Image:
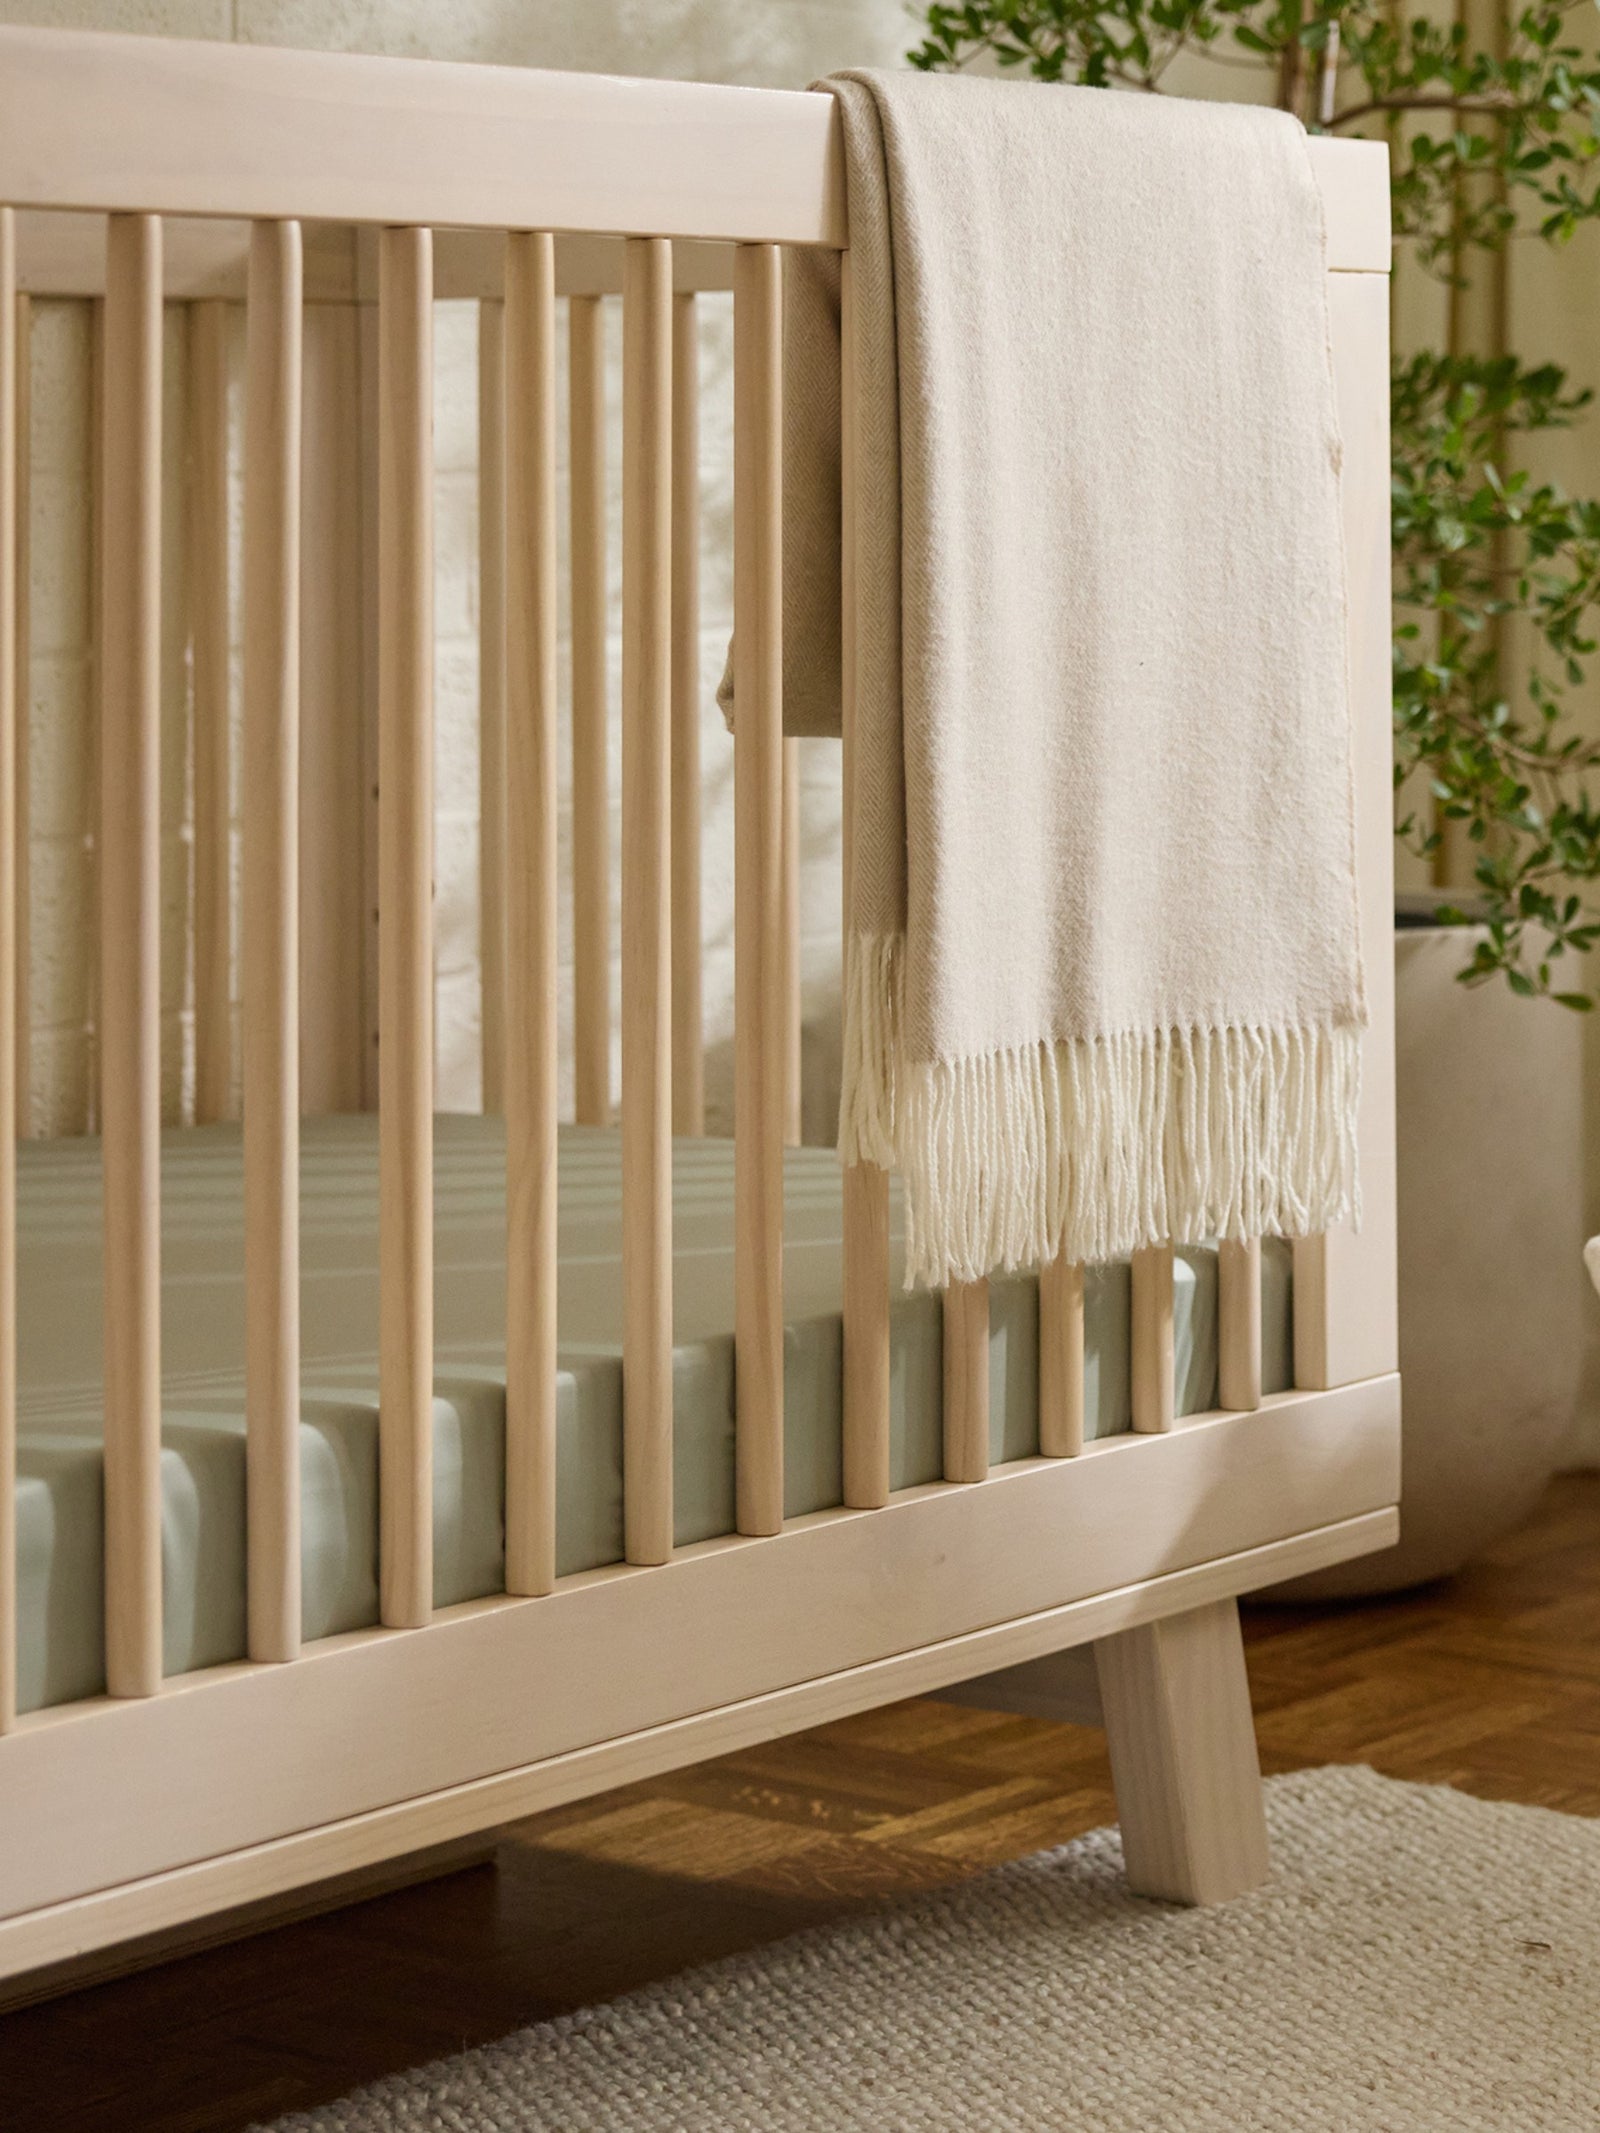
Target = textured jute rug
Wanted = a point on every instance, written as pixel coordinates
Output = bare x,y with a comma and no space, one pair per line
1421,1962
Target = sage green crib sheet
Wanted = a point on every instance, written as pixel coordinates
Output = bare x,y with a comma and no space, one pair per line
59,1505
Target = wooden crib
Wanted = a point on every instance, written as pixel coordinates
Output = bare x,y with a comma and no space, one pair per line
336,197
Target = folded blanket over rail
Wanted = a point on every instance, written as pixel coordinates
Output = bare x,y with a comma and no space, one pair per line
1103,983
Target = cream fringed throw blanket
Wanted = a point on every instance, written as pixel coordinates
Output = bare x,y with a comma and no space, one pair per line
1103,985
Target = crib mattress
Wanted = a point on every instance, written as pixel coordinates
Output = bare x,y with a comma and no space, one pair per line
60,1497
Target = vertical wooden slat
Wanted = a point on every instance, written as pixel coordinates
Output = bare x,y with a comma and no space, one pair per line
208,532
22,663
1239,1324
791,943
1154,1385
966,1381
591,798
334,805
130,947
369,452
12,449
647,898
270,961
688,1046
492,799
531,1079
405,923
96,678
865,1241
1061,1359
760,964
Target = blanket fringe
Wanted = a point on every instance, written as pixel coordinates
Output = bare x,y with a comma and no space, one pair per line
1095,1147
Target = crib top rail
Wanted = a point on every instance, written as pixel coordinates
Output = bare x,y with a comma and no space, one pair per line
214,134
173,127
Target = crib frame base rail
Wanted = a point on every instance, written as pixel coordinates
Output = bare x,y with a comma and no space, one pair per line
335,1763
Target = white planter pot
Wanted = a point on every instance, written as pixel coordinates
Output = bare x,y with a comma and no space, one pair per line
1492,1290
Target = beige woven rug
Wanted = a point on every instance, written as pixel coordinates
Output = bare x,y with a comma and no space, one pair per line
1421,1963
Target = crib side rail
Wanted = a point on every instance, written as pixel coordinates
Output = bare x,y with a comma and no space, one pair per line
274,138
614,158
163,126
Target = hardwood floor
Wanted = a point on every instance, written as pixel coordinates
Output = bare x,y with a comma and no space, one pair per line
1491,1683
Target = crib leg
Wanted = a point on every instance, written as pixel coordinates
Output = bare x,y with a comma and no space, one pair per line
1183,1756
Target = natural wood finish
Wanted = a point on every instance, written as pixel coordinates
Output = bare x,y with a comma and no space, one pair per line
792,1012
1182,1744
88,1791
130,949
1061,1392
335,797
966,1381
271,930
368,456
12,712
64,254
1459,1684
688,1028
864,1265
362,1844
864,1246
1345,1322
405,933
760,1052
90,122
591,791
1239,1323
647,900
22,667
210,654
1154,1392
206,259
94,871
157,1902
1353,177
333,1760
531,1085
492,790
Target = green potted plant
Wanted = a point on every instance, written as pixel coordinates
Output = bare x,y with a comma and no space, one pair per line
1494,138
